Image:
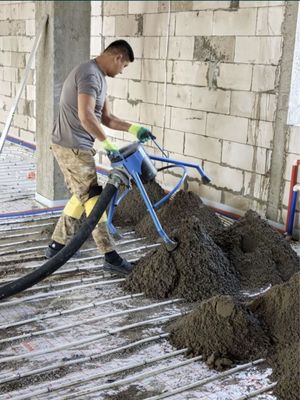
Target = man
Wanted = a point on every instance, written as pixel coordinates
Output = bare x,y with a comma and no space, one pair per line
83,107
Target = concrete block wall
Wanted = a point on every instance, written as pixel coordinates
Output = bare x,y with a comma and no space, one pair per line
206,81
17,32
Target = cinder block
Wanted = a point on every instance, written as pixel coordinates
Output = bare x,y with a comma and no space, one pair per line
10,43
256,185
235,76
187,120
115,7
142,7
151,47
178,6
236,201
260,106
258,3
25,44
129,25
109,26
210,5
12,28
30,27
202,147
266,103
30,92
174,141
27,136
242,104
294,140
117,87
258,50
179,96
5,88
260,133
11,74
96,26
211,48
180,48
126,111
157,25
205,99
244,157
209,193
32,124
142,91
236,23
5,12
290,158
264,78
153,114
269,20
194,23
133,71
5,58
227,127
19,60
190,72
155,70
224,177
20,121
95,8
23,10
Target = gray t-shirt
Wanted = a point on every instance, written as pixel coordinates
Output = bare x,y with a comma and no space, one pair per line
86,78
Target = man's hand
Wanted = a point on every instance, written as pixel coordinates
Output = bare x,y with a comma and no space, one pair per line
141,133
111,149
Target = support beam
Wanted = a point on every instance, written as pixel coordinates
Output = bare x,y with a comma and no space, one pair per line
65,44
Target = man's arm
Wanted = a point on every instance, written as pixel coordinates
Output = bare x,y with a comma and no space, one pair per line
88,119
111,121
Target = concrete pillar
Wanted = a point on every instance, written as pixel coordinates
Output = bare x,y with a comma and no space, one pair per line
65,43
276,189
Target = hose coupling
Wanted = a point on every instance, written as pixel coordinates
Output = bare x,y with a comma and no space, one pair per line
119,176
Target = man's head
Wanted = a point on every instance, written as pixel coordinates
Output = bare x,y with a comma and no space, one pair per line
116,57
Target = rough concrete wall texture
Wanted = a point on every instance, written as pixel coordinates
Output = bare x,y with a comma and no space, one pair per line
17,32
206,80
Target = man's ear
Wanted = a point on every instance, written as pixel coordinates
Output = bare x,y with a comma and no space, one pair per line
119,57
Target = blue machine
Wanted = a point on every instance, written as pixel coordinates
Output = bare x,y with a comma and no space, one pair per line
137,163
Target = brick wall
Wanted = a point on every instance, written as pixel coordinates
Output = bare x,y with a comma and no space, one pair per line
205,80
17,32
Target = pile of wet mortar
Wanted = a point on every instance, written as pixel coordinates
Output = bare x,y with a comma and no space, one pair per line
213,265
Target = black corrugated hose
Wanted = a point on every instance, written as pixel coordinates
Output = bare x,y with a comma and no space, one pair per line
66,252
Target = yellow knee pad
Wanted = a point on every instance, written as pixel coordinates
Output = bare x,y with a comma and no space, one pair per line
74,208
90,204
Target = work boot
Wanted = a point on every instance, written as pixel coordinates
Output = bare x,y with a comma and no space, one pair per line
114,264
53,249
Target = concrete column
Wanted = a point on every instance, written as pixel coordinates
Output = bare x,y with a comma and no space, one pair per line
65,43
276,190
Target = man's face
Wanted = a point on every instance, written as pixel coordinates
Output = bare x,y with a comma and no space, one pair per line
117,66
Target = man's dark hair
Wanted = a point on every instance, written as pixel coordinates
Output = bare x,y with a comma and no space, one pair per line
122,47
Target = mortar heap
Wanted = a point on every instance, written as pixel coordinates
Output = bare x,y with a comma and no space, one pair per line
216,265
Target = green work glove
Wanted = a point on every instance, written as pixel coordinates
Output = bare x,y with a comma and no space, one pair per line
110,148
141,133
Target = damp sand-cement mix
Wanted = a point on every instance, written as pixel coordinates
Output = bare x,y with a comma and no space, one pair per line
220,268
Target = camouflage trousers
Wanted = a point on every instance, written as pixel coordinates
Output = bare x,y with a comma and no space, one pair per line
79,170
